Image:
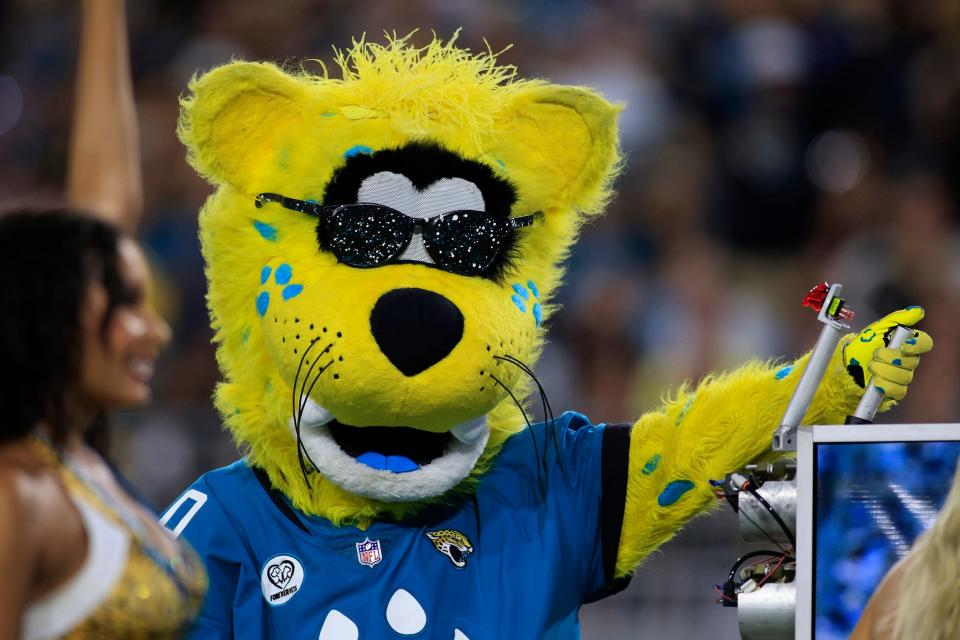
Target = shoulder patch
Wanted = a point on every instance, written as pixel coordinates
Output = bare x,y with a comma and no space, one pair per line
453,544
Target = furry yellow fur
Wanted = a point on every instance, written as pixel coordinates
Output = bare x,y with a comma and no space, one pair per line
701,435
252,127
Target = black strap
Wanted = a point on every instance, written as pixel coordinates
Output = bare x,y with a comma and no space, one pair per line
615,461
277,498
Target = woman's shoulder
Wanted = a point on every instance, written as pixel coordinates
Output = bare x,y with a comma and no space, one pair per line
31,496
22,489
21,452
876,623
40,529
22,469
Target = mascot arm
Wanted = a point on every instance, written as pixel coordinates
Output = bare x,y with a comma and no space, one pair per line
701,435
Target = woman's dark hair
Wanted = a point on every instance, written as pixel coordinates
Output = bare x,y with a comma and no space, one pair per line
48,260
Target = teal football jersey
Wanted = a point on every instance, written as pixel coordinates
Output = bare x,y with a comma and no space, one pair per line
515,559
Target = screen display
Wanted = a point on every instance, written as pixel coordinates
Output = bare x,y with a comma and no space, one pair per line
872,502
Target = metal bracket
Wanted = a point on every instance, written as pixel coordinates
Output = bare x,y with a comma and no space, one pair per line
785,437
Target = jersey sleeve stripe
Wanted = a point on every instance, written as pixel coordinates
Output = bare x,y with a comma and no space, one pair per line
615,458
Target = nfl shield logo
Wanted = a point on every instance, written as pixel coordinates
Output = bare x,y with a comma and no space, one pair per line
368,552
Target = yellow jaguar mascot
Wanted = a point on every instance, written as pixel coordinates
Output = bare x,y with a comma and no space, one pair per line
382,250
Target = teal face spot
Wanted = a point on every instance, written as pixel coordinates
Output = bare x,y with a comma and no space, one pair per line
291,291
356,150
896,362
328,114
783,373
266,231
263,303
867,335
245,334
521,298
854,362
880,389
910,341
673,492
503,165
651,465
683,411
283,274
283,159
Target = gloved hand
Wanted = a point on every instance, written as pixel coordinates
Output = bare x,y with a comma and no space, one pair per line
891,370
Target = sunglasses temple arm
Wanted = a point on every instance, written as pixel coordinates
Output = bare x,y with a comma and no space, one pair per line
287,203
526,221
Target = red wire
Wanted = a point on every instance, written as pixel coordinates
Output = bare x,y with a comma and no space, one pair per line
771,572
755,563
725,597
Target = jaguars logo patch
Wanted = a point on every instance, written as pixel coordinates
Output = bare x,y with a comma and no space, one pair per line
452,544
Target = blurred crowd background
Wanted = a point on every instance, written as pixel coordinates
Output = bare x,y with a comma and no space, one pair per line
771,144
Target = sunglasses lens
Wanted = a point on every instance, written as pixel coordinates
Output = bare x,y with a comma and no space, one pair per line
366,235
466,242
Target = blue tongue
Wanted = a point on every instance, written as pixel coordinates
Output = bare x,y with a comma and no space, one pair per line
395,464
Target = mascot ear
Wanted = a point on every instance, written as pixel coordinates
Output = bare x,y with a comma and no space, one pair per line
564,141
236,116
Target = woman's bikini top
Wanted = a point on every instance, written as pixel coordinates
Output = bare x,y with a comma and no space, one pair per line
125,588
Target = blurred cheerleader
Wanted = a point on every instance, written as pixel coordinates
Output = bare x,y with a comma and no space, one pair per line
919,599
80,555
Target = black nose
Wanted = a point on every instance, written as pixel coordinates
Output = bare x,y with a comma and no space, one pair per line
415,328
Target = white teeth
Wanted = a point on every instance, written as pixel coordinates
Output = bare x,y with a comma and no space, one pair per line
471,431
313,414
141,368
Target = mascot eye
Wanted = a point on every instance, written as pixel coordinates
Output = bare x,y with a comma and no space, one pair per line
468,242
365,235
368,235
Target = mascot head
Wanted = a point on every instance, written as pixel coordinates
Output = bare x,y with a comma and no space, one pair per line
381,252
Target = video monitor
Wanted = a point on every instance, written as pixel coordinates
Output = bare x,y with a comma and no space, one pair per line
872,491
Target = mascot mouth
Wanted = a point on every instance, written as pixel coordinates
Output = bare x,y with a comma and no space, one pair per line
393,464
396,449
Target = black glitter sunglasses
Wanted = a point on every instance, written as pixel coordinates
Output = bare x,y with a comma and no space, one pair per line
368,235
